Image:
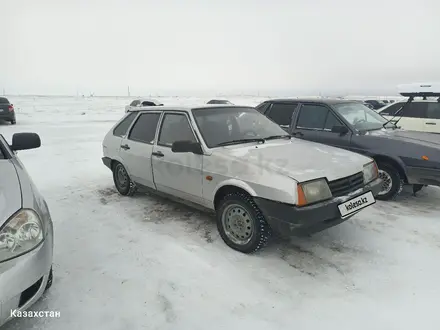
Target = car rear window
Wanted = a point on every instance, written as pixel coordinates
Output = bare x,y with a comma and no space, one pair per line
4,100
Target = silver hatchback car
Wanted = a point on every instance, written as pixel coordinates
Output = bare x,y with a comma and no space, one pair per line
26,232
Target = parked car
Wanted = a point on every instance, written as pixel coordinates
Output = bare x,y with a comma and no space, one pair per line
376,104
142,103
7,111
236,162
419,115
226,102
26,232
403,157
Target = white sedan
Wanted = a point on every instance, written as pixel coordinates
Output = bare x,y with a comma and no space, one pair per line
135,104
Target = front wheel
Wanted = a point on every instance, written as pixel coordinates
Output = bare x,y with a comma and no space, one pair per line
391,182
122,180
241,224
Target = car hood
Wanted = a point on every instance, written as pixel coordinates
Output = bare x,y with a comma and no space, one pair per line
10,192
298,159
422,138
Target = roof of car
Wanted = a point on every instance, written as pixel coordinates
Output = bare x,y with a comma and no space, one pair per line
188,108
313,100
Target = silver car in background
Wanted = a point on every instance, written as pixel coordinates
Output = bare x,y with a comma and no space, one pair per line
26,232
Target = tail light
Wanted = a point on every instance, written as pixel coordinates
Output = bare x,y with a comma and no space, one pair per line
11,108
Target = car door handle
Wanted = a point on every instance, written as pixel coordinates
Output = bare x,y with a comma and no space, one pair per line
125,147
158,154
297,134
431,123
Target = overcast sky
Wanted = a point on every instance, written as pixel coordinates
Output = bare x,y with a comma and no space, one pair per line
189,46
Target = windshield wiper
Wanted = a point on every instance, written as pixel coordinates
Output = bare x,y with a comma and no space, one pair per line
227,143
273,137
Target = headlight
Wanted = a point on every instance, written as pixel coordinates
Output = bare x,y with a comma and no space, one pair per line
370,172
313,191
21,234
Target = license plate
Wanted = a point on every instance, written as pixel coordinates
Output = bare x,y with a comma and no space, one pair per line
356,204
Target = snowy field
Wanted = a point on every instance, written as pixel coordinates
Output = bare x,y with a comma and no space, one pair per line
146,263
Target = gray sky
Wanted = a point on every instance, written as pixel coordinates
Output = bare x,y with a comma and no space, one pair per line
189,46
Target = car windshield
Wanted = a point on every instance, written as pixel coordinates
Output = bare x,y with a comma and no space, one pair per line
220,126
360,117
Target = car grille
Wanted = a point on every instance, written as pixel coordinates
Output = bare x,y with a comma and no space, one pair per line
346,185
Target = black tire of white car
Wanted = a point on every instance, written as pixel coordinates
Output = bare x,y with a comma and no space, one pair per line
396,182
130,188
261,231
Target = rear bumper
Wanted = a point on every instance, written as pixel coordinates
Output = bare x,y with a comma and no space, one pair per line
107,162
286,219
423,175
6,115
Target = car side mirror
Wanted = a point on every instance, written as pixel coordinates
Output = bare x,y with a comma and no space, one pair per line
187,146
342,130
25,141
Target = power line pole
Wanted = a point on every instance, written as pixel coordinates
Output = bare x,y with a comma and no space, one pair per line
128,90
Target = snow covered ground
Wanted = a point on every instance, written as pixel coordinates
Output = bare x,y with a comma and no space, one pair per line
146,263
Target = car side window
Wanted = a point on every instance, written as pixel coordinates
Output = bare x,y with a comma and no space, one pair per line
175,127
123,126
262,107
135,103
281,113
414,110
433,110
144,129
312,117
4,148
331,121
391,110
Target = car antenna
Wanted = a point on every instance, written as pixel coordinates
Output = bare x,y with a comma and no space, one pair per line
406,105
400,111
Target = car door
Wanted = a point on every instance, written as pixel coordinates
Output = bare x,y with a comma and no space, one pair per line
113,139
178,174
281,113
314,122
137,148
432,122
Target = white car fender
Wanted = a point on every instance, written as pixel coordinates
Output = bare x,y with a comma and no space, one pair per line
235,183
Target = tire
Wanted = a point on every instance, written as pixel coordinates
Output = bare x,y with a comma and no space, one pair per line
127,187
13,122
49,280
390,175
249,223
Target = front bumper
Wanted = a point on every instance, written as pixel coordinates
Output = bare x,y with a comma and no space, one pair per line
286,219
24,279
423,175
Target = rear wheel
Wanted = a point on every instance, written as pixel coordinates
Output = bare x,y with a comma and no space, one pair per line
391,182
122,180
241,224
13,122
